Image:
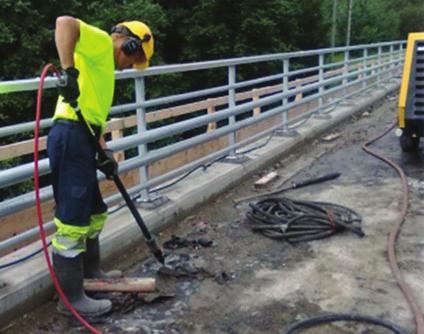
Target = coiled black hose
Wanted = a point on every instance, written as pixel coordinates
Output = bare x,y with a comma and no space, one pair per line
296,220
326,318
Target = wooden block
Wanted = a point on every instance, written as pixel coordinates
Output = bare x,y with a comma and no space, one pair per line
331,137
123,284
263,181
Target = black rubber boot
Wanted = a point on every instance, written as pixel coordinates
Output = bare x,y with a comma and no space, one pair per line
92,262
69,272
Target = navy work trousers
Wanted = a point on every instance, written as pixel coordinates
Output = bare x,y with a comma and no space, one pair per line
73,163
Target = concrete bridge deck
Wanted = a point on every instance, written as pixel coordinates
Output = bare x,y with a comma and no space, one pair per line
28,284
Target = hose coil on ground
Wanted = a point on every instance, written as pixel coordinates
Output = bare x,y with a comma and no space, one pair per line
297,220
327,318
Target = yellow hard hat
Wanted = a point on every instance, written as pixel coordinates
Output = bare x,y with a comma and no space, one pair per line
142,31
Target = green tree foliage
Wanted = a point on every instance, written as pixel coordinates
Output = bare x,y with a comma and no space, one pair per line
216,29
201,30
27,39
25,43
375,20
411,18
195,30
190,30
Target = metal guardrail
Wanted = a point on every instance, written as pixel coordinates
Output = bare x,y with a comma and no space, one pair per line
381,65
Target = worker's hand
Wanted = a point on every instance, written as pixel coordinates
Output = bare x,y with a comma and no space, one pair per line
68,85
108,166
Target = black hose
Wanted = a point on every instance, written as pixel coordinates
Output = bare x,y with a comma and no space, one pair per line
22,259
203,166
297,221
326,318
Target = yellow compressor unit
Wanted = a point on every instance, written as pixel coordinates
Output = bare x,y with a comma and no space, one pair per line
411,99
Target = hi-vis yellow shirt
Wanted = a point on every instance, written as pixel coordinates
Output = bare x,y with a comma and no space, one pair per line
93,57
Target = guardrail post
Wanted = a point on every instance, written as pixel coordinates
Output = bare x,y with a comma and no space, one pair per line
400,53
400,56
231,104
141,127
391,65
391,58
345,72
232,137
286,69
364,68
146,199
320,113
379,65
284,130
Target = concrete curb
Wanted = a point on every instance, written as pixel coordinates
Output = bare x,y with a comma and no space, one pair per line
29,284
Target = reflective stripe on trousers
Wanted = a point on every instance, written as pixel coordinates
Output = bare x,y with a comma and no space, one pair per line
70,240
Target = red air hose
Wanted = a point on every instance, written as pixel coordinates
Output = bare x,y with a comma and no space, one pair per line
38,202
391,244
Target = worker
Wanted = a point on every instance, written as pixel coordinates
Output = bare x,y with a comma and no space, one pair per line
88,57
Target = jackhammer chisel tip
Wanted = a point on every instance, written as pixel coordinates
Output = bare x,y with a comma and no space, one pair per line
156,250
159,256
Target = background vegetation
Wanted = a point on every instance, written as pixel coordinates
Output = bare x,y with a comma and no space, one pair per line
195,30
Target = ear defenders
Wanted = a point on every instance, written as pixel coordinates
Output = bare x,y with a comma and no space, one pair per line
132,43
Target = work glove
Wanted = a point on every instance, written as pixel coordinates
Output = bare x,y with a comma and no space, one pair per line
68,85
108,166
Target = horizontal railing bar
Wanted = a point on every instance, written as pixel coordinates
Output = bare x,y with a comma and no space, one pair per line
27,201
50,82
160,133
18,174
181,170
29,126
23,127
202,104
249,60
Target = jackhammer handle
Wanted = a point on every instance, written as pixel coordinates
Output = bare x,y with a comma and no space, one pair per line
315,180
99,149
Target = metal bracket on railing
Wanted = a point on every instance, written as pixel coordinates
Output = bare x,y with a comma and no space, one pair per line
152,201
285,131
347,102
365,93
380,86
324,116
235,159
